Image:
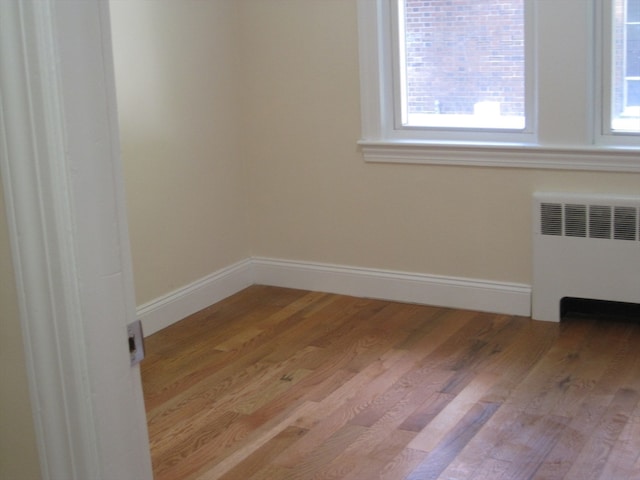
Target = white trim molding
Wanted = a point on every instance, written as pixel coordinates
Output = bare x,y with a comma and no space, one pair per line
465,293
481,295
173,307
604,159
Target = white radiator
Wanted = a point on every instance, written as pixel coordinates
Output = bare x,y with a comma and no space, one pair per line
584,246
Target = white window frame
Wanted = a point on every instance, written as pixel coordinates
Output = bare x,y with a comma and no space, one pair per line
568,138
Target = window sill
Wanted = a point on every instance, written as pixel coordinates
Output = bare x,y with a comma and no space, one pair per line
520,155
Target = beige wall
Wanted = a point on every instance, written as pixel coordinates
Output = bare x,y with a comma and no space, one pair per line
18,454
314,199
240,121
178,100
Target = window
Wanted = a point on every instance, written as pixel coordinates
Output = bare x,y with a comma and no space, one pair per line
625,115
462,63
501,83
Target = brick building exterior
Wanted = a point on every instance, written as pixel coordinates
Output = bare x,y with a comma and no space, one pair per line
462,52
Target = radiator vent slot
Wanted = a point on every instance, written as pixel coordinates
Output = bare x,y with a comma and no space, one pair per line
610,222
575,224
625,222
551,219
599,221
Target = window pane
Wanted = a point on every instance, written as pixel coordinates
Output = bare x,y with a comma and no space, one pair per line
626,74
463,63
633,10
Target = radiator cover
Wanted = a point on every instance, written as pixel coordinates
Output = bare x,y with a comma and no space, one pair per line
584,246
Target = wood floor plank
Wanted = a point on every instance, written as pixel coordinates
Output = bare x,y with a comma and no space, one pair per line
517,359
198,362
238,369
595,452
460,405
315,461
380,438
189,455
593,363
271,472
591,408
566,450
478,451
531,441
402,464
624,459
389,447
453,442
285,384
408,390
519,456
254,462
254,449
493,469
335,412
425,413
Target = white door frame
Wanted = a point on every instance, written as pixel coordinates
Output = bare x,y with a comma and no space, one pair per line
60,167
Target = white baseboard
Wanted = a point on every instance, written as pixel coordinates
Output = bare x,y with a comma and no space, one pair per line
482,295
471,294
181,303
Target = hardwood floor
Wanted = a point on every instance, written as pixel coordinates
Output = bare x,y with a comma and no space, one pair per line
276,383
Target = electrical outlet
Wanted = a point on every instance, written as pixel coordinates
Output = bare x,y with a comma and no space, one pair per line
136,342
